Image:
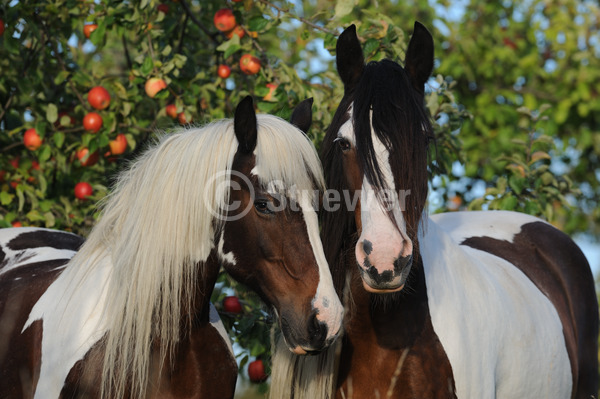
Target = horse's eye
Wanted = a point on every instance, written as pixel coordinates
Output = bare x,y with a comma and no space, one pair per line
342,143
262,206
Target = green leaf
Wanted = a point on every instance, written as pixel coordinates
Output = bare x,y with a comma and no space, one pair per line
267,106
343,7
21,197
6,198
167,50
370,46
126,109
49,219
257,23
98,35
59,139
509,203
230,46
61,77
45,153
517,184
147,66
51,113
536,156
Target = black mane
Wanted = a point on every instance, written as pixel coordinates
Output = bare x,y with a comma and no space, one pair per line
402,124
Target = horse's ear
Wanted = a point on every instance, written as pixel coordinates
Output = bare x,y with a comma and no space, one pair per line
302,115
244,125
349,57
419,56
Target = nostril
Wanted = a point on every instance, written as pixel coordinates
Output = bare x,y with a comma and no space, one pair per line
317,332
402,262
367,247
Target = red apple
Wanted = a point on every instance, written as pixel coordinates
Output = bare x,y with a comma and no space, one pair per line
272,87
99,98
17,224
32,140
238,30
182,119
171,110
1,27
223,71
88,29
85,159
231,304
14,162
83,190
224,20
118,145
249,64
92,121
164,8
153,86
256,371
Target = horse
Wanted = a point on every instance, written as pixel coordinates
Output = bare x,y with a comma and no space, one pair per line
481,304
127,313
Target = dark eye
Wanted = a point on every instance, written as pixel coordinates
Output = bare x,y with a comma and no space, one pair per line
343,144
262,205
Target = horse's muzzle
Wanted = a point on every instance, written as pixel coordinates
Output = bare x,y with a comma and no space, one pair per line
310,340
390,280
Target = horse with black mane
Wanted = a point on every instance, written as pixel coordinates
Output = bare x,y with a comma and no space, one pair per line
127,313
488,304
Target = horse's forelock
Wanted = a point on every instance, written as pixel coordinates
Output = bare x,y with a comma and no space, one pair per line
385,101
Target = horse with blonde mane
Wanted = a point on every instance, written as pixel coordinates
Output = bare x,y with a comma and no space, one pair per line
488,304
127,313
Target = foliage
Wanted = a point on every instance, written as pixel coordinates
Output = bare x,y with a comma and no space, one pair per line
490,66
538,54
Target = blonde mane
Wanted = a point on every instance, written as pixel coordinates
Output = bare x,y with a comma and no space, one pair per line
157,229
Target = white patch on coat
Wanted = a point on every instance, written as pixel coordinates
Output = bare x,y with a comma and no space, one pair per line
72,323
23,257
228,257
326,302
502,335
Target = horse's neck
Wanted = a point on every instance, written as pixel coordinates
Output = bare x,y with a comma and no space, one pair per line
204,288
392,320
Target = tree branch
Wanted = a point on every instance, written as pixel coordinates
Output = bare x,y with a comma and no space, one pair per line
129,64
11,146
5,108
304,20
197,22
185,21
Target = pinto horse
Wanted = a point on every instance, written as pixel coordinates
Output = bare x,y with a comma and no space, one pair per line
456,305
127,313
